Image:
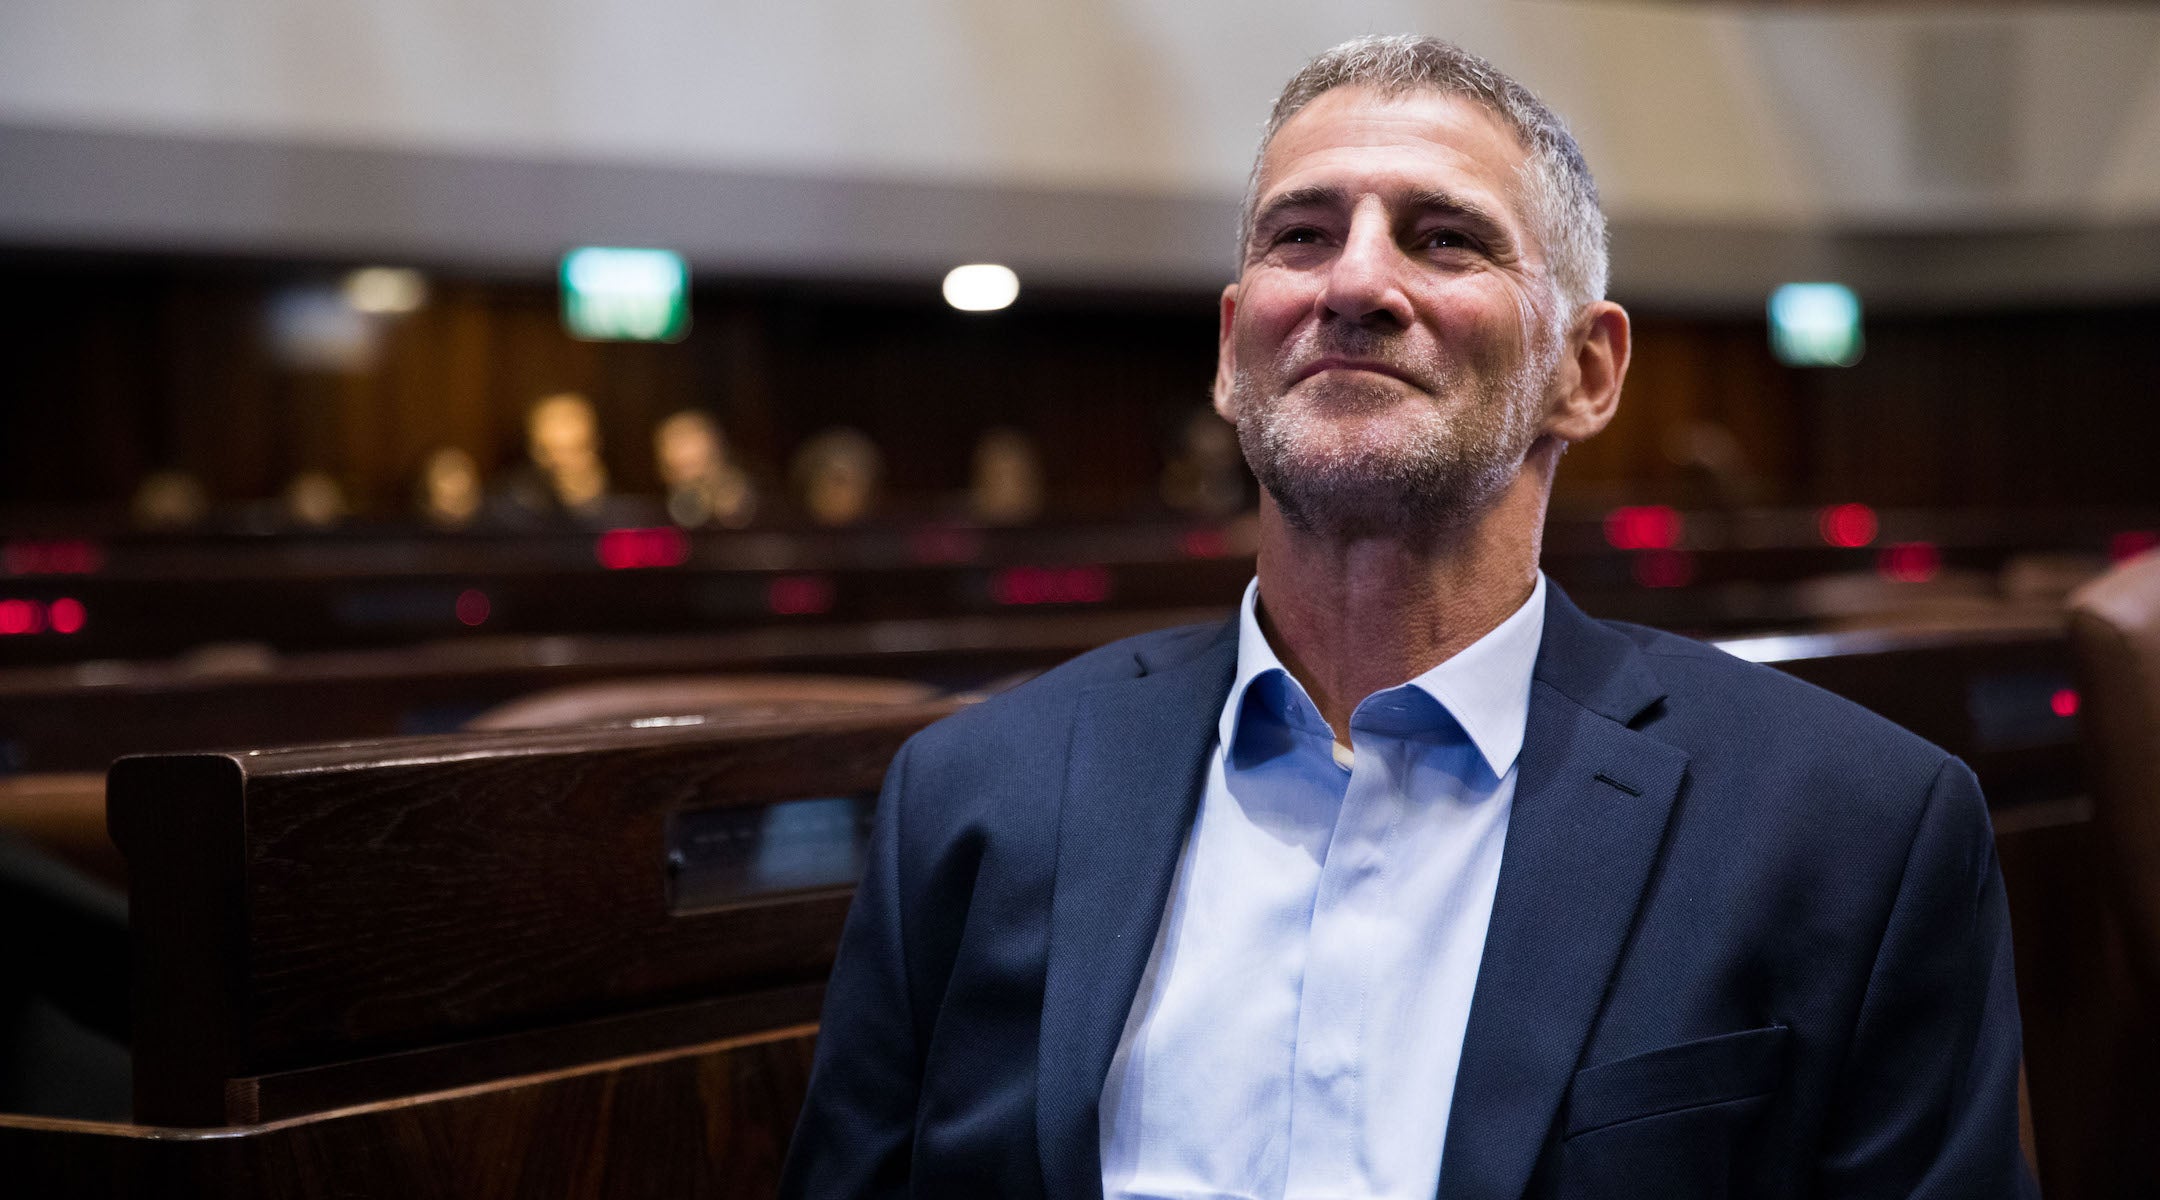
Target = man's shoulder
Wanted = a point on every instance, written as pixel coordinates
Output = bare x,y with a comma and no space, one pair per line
1729,708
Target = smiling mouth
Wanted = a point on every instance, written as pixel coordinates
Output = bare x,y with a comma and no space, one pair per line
1366,366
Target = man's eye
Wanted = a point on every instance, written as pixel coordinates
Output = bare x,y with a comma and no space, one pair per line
1298,235
1445,239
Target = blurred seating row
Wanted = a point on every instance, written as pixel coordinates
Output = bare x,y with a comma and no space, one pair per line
80,717
71,599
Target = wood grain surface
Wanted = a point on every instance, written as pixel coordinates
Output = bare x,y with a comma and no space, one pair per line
307,907
81,717
709,1121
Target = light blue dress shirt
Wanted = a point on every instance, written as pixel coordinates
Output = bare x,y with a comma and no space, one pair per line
1297,1031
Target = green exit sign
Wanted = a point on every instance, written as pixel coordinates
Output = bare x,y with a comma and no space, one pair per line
612,294
1815,325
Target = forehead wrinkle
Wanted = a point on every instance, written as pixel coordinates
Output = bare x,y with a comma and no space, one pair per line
1461,125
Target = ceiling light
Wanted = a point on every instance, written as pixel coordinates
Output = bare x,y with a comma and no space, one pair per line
385,291
981,287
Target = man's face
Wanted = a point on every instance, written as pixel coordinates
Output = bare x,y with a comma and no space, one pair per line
1388,351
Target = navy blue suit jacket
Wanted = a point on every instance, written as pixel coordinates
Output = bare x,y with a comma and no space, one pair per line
1749,939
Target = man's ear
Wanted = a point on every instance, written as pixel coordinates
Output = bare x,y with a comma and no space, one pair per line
1598,361
1226,356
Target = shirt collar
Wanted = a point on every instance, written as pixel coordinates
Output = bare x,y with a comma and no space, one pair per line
1485,686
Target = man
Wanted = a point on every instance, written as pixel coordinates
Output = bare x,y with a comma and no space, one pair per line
1579,910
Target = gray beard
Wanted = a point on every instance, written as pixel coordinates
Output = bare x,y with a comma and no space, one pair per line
1425,490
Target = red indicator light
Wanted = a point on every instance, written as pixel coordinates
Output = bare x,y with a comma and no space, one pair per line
1909,562
798,595
1665,569
1050,585
66,615
2064,702
1643,527
2130,543
1204,543
21,616
1847,525
629,549
67,557
472,606
944,544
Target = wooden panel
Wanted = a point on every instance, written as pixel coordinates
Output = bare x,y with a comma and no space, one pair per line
184,841
460,1064
305,907
126,366
62,718
1925,683
706,1121
175,352
1693,374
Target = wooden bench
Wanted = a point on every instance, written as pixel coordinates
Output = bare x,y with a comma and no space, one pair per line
560,963
80,717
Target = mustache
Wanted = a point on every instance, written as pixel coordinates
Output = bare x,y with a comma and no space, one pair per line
1363,345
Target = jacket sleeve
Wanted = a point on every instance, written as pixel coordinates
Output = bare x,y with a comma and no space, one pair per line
856,1134
1927,1103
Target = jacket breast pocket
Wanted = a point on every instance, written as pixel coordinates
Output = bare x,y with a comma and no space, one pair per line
1673,1122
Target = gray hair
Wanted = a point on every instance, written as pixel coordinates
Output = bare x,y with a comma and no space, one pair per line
1560,198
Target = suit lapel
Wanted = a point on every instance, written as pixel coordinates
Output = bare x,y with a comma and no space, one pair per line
1591,805
1133,779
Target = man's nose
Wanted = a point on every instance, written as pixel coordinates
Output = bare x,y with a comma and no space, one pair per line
1364,282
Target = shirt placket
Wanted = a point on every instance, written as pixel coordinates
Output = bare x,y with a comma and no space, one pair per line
1326,1158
